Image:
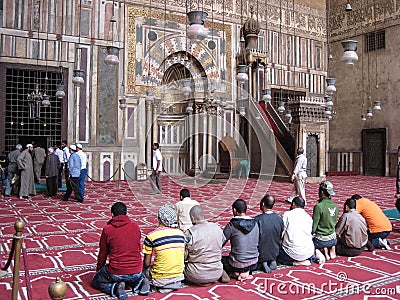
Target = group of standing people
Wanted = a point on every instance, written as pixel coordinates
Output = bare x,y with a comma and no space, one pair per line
22,169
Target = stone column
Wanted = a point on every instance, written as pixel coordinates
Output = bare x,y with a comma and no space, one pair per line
149,121
196,139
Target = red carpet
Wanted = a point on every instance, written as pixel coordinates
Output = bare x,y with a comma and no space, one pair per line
62,240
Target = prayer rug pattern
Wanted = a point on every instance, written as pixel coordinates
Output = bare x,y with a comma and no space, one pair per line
61,240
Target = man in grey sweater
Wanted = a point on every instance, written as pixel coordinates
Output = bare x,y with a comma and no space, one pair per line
243,233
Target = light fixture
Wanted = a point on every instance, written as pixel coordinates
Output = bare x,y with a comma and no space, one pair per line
77,78
112,51
46,100
349,56
122,103
266,95
112,56
328,111
281,107
377,105
242,75
369,113
196,30
348,7
60,91
331,86
363,118
36,95
328,100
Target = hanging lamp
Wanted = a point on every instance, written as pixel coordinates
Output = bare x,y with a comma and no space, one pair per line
196,30
349,56
242,75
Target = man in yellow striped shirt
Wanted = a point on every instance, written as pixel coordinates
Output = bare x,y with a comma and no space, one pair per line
167,243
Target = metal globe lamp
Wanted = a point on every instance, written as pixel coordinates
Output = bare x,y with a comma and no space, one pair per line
77,78
349,56
112,56
242,74
60,91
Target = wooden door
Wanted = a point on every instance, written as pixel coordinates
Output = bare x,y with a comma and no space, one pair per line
374,150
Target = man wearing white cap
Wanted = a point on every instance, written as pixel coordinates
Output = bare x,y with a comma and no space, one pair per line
82,176
25,165
74,167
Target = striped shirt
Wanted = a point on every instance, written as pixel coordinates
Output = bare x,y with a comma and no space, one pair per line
168,245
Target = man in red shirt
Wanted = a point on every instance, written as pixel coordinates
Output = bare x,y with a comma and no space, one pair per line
120,242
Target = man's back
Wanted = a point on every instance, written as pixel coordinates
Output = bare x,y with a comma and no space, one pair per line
373,215
297,239
271,228
182,211
203,245
352,229
120,240
325,215
39,155
169,247
243,233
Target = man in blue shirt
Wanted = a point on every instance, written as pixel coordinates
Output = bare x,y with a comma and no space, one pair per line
74,167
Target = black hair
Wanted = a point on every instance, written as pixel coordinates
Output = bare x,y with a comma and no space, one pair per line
240,206
325,192
118,208
268,201
184,193
299,202
356,197
157,145
350,203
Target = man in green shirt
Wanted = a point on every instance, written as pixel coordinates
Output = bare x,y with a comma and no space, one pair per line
325,216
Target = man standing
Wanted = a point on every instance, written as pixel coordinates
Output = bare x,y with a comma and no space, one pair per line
325,215
39,157
66,154
59,153
203,250
74,167
25,165
351,231
167,243
155,180
12,169
299,176
183,208
379,226
297,244
51,173
243,233
271,228
120,242
82,176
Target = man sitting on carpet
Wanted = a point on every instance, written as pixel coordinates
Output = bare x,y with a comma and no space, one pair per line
120,242
183,208
271,228
297,244
351,231
168,245
203,250
243,233
325,216
379,226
